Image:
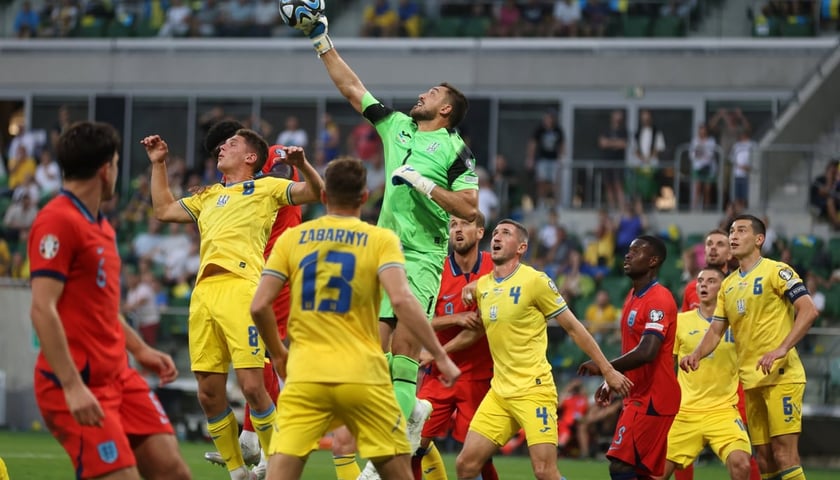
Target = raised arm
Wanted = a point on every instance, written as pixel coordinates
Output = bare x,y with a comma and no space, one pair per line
80,401
308,191
408,310
462,204
166,207
152,359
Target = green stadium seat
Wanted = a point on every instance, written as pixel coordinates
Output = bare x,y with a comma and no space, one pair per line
117,29
834,252
788,29
804,249
476,27
145,29
91,28
447,27
669,27
832,303
693,239
617,287
636,26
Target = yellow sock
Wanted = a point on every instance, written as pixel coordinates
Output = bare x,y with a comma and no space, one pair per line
263,423
4,474
433,467
793,473
770,476
224,430
346,467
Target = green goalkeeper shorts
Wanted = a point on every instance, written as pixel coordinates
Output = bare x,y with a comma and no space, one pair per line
423,271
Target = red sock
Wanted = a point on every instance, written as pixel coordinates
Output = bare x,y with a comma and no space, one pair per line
417,467
488,471
755,474
684,474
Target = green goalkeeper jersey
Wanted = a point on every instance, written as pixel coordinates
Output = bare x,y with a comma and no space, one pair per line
441,156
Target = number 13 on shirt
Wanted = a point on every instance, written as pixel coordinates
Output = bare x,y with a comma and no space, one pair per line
340,283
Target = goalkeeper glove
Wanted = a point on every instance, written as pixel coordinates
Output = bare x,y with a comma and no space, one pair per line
407,175
317,32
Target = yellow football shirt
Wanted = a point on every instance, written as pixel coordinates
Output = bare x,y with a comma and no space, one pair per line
514,311
715,384
759,307
332,265
234,222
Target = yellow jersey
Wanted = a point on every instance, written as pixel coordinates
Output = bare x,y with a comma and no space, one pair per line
515,310
758,304
234,222
715,384
332,265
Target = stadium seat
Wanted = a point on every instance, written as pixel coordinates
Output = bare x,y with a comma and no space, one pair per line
118,29
617,287
834,252
476,27
796,29
832,303
804,249
693,239
447,27
636,26
669,27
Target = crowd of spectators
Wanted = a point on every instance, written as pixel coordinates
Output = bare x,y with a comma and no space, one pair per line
404,18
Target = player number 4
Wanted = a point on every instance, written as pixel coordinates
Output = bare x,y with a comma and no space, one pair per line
542,413
515,292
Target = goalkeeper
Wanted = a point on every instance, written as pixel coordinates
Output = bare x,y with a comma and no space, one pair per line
431,176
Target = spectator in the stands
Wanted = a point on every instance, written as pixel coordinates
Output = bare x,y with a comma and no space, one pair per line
293,135
178,18
506,20
48,174
21,167
19,216
379,20
567,15
535,19
596,15
26,21
410,15
821,189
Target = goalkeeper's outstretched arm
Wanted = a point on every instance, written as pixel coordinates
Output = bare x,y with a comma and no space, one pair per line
344,78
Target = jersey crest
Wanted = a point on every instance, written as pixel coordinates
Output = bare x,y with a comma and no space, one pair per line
631,318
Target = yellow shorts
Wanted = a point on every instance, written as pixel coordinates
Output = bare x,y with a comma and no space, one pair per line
498,418
722,430
306,411
221,331
774,410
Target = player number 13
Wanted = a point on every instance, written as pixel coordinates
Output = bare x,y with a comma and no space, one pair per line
309,265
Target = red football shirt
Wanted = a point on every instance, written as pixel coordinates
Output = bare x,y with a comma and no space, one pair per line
475,362
652,311
288,216
690,298
68,244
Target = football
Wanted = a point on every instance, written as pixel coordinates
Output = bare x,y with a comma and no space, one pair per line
300,13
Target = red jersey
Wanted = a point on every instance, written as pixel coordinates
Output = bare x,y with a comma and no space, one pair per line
690,298
287,217
475,361
572,409
652,311
68,244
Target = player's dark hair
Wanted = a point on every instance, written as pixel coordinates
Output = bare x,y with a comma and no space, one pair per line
459,104
657,245
345,181
217,135
523,232
757,225
257,144
84,147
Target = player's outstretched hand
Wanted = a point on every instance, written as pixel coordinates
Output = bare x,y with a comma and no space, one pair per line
618,383
83,405
156,148
603,396
449,372
690,362
295,156
765,363
588,368
158,362
407,175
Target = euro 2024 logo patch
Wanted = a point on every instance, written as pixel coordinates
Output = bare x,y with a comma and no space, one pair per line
48,247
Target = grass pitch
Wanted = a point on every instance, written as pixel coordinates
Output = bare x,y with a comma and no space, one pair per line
38,456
